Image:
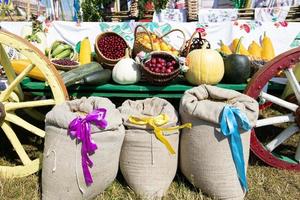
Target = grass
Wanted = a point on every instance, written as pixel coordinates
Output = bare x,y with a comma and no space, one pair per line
264,183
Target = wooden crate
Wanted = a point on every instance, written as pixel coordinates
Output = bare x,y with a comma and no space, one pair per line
243,14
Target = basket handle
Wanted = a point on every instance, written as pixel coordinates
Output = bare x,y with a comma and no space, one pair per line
146,31
184,38
190,41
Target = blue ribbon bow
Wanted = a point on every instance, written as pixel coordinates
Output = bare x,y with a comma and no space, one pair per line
230,120
80,128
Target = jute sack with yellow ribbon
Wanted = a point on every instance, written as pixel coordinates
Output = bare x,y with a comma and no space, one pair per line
73,129
149,153
211,161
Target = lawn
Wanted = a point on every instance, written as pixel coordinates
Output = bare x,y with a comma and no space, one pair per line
265,182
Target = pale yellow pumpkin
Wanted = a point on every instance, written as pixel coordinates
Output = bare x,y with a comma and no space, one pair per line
206,66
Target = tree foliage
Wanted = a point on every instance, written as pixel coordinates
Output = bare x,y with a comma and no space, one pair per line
93,10
158,5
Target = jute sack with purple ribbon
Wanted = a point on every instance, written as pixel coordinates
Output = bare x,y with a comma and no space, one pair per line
82,148
149,153
214,152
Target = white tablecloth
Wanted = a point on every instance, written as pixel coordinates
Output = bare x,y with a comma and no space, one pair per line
284,35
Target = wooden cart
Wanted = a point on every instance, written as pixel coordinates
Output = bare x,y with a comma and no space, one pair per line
12,99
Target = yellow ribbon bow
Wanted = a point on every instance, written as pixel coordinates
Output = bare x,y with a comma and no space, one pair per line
155,122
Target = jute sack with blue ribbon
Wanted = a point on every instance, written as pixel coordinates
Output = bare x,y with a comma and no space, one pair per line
149,153
214,153
82,148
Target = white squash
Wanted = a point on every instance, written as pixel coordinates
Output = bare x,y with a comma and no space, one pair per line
126,71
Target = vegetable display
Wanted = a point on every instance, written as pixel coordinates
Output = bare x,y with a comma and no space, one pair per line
74,75
60,49
20,65
126,71
206,66
159,61
85,55
267,52
237,67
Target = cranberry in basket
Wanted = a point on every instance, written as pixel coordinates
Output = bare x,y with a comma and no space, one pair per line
160,68
165,65
65,64
110,48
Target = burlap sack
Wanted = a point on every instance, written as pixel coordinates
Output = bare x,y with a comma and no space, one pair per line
205,155
145,162
62,175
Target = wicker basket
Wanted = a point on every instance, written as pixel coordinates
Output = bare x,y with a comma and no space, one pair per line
138,46
73,57
159,78
107,62
194,43
64,67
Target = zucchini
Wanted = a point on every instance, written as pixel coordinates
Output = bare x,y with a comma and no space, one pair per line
98,78
74,75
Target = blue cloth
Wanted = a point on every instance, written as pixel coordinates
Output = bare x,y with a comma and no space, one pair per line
231,119
5,1
76,9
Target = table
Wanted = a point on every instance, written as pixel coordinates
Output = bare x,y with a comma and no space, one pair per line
141,90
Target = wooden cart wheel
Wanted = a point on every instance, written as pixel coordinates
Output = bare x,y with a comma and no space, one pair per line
276,137
12,99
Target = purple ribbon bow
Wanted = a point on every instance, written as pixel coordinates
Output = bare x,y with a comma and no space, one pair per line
80,128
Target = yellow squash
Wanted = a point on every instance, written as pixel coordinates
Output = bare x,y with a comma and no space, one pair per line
206,66
268,52
255,50
20,65
225,49
85,55
242,49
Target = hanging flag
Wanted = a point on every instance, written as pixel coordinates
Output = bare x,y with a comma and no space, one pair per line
76,10
5,1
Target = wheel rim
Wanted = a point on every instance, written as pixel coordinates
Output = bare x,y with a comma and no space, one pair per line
12,99
254,89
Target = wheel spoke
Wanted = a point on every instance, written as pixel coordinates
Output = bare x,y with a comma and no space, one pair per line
294,82
14,97
29,104
297,155
275,120
283,136
278,101
22,123
5,94
10,73
15,143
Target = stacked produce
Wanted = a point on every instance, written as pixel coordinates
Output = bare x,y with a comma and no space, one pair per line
206,66
160,68
154,60
85,54
147,42
158,44
110,48
238,69
237,65
126,71
264,51
61,49
161,65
